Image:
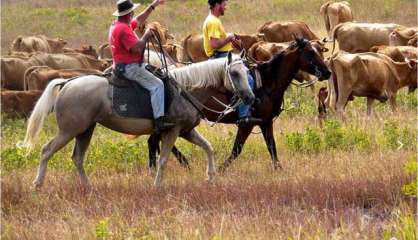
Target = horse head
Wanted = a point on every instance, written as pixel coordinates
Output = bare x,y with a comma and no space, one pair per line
310,59
237,75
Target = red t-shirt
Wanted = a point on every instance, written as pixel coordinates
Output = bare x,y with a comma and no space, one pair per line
121,39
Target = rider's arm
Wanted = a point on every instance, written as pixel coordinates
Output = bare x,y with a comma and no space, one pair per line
140,45
141,17
217,43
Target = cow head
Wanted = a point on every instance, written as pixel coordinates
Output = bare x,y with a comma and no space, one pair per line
171,49
57,44
320,47
310,60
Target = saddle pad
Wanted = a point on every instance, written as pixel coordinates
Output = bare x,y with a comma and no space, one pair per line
131,102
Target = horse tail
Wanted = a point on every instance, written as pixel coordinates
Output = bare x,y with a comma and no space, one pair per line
42,108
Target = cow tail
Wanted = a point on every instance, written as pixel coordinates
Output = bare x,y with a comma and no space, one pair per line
324,11
26,75
333,89
42,108
334,36
186,57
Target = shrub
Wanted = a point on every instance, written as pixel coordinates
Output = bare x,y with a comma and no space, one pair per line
294,141
410,189
333,134
311,141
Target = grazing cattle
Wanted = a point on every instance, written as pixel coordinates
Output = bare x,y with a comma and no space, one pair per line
13,69
335,13
193,50
19,103
403,37
159,29
370,75
37,77
285,31
86,50
397,53
39,43
360,37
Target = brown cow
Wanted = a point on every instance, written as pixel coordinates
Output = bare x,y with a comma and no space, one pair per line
87,50
396,53
193,50
19,103
370,75
360,37
37,77
403,37
285,31
39,43
335,13
159,28
13,69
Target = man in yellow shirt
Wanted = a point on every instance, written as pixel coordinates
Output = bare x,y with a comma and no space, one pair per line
217,43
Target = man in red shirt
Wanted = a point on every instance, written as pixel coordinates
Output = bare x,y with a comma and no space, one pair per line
127,51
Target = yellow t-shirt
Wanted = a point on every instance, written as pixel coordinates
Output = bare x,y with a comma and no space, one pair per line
212,28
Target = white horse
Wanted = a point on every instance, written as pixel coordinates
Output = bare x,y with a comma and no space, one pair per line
83,102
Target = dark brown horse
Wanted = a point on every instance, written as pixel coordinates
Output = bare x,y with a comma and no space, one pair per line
276,76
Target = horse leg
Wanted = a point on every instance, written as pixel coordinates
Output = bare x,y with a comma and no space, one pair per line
81,144
180,157
153,148
242,135
168,139
194,137
267,130
369,106
48,150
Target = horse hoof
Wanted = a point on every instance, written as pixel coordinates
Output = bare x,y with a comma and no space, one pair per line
36,185
277,166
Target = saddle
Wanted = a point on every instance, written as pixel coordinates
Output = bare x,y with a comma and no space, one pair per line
131,100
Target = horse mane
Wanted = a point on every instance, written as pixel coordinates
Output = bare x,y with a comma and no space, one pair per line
205,74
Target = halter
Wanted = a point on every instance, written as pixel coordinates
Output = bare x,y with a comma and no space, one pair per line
228,72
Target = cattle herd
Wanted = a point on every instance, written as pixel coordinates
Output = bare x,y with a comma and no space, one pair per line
374,60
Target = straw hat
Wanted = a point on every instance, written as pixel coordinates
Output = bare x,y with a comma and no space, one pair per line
124,7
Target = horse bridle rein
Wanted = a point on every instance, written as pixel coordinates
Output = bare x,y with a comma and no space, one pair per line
187,95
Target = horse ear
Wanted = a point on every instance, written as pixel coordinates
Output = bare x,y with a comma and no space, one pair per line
242,54
229,58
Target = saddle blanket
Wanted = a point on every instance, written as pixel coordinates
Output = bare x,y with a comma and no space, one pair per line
130,102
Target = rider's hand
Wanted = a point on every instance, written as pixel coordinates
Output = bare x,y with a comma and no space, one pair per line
230,36
237,43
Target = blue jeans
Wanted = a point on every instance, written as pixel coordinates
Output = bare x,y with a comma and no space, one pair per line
219,55
147,80
243,110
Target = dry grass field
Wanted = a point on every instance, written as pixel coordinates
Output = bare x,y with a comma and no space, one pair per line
345,181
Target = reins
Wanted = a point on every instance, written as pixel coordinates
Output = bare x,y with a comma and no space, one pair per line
184,92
